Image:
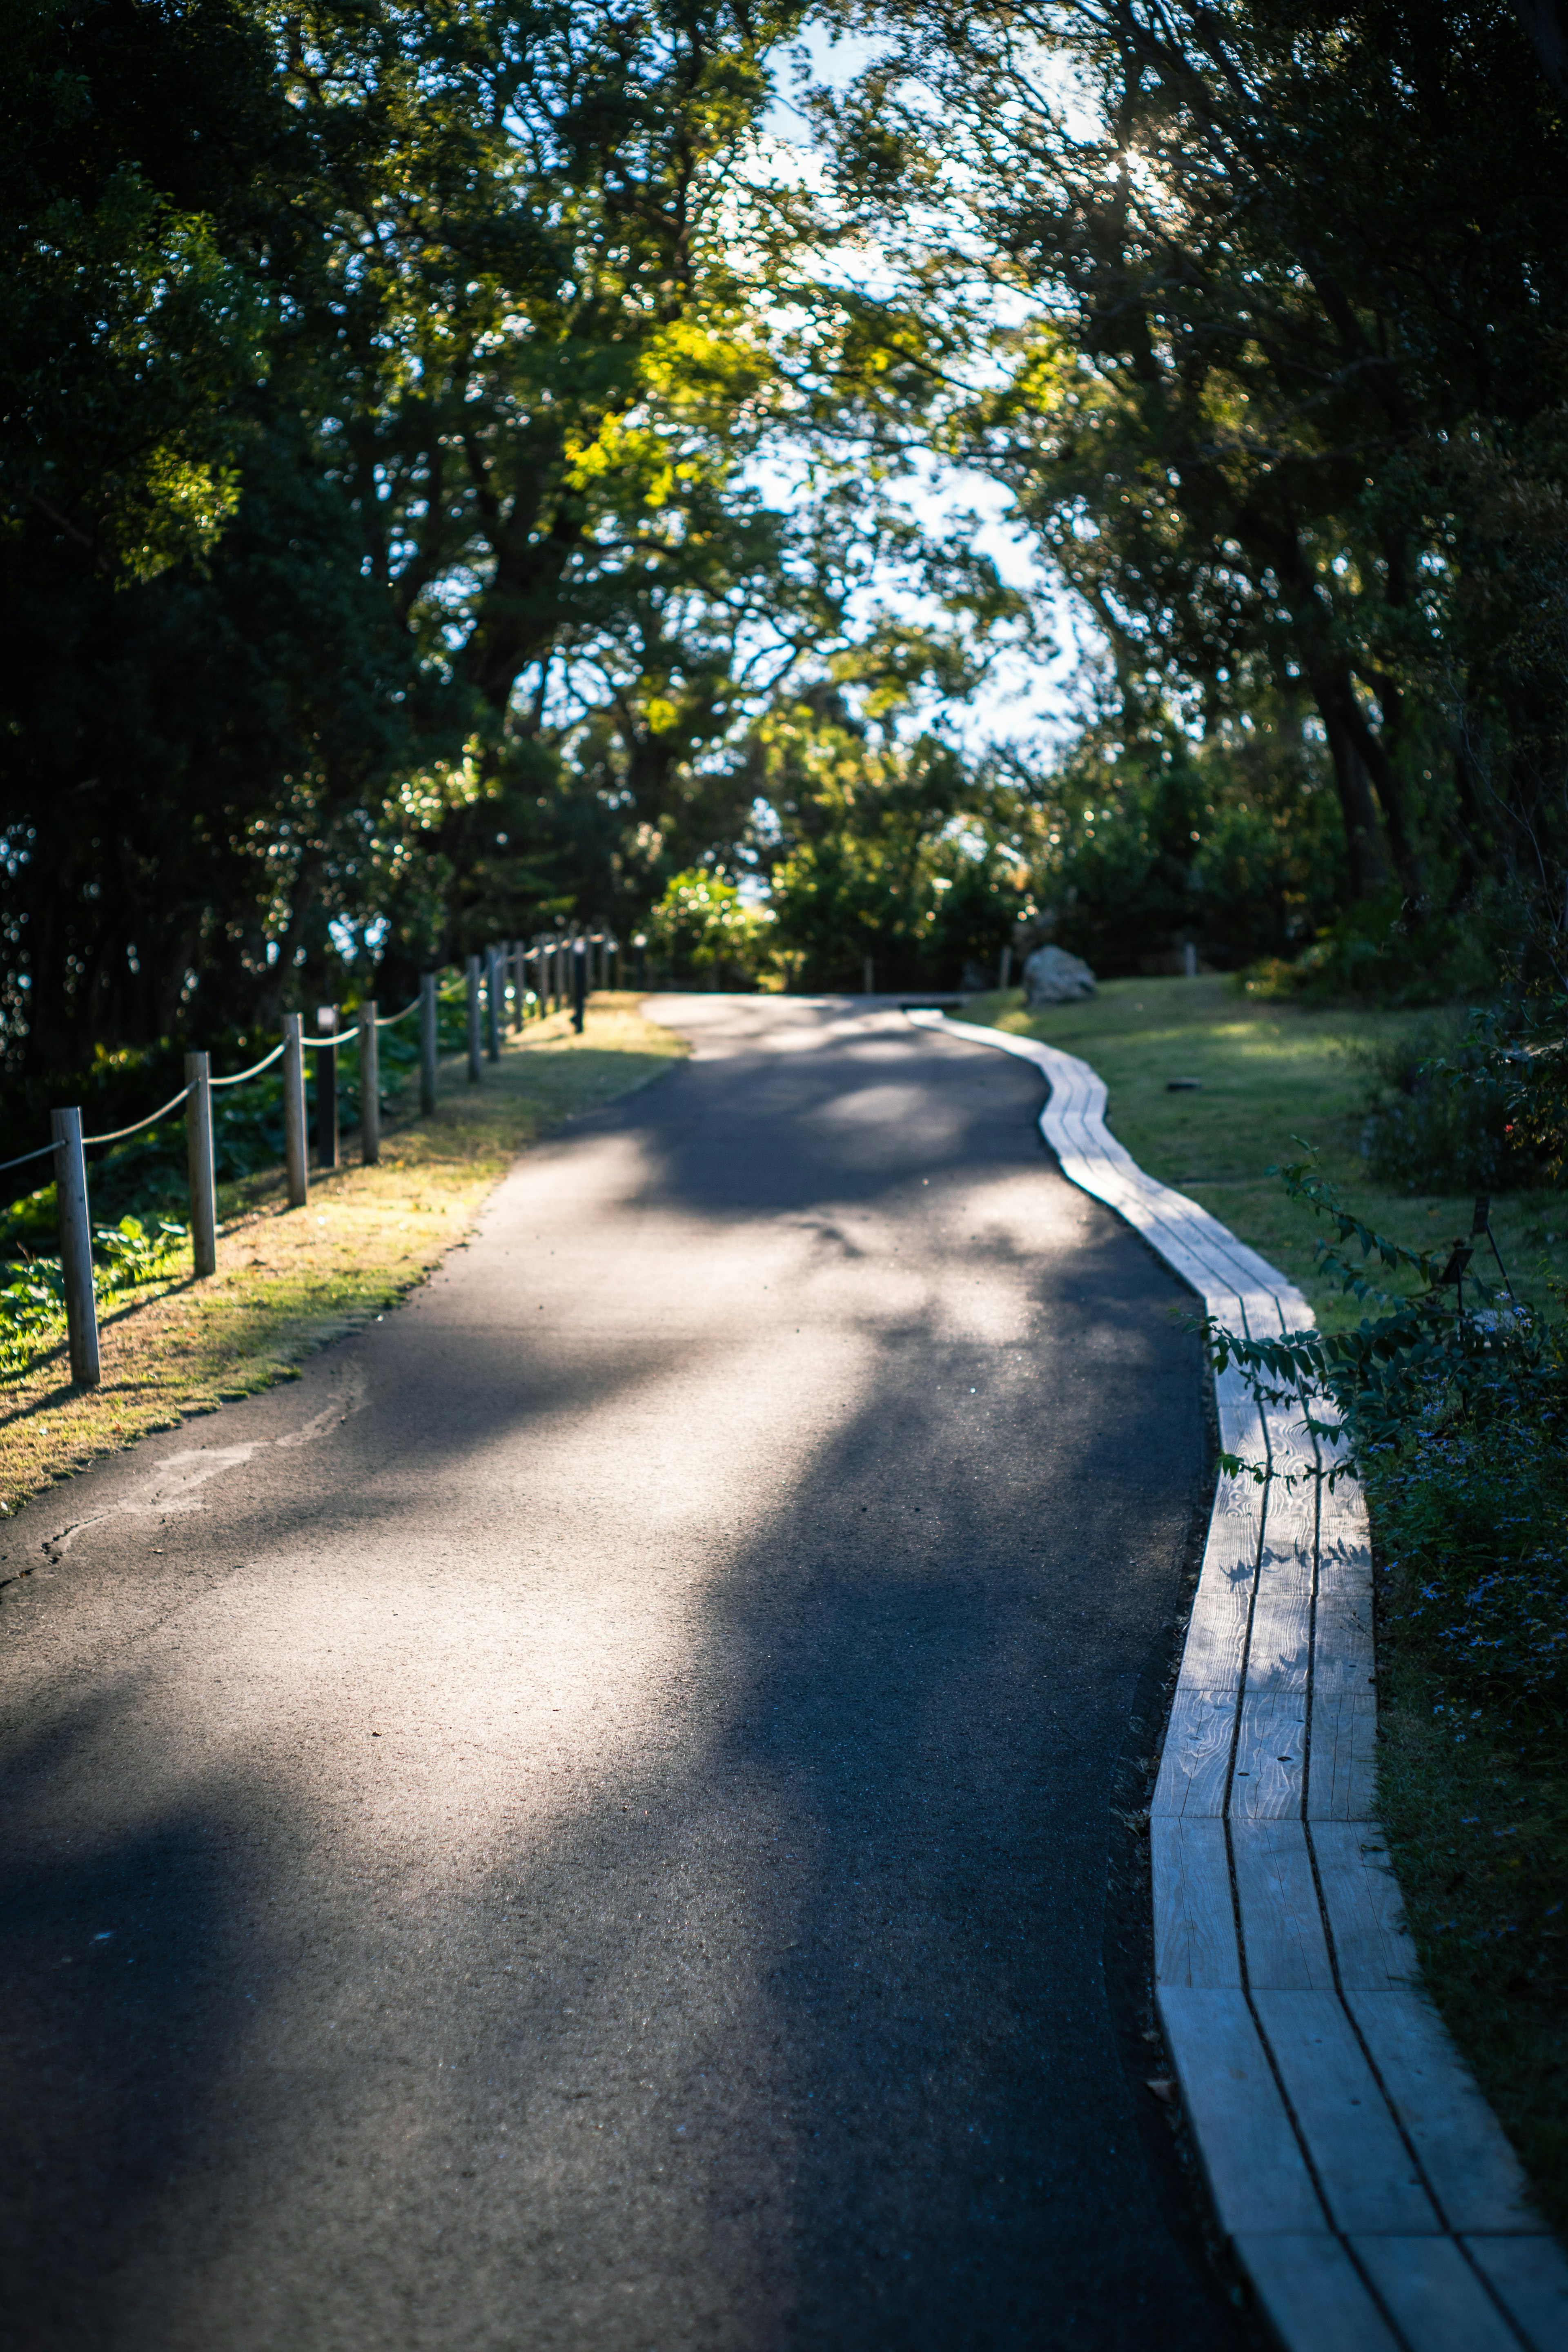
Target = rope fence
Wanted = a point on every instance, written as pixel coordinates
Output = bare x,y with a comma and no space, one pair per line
495,991
23,1156
241,1076
118,1134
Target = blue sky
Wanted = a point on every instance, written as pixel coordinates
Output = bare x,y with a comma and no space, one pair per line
1027,695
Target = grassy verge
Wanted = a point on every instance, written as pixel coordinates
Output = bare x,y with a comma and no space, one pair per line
1474,1798
1268,1075
291,1281
1478,1831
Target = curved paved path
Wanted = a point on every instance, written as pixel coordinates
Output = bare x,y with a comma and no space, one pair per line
583,1821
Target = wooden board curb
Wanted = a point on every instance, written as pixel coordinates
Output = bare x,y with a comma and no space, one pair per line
1363,2182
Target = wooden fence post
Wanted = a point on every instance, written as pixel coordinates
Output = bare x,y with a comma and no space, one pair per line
369,1086
492,1006
428,1038
295,1151
75,1245
327,1089
199,1159
475,1069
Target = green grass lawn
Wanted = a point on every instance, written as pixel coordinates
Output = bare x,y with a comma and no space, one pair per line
1476,1812
1268,1074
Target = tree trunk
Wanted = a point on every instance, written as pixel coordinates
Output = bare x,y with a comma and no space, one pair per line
1469,824
1544,22
1364,858
1377,765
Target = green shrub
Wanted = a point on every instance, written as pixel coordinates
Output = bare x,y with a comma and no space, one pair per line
703,929
1154,841
1522,1050
33,1301
1474,1519
1455,1403
892,850
1382,951
1438,1117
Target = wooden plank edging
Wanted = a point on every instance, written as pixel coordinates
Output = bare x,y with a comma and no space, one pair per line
1363,2182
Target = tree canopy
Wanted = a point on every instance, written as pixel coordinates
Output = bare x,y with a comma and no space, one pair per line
1259,319
455,474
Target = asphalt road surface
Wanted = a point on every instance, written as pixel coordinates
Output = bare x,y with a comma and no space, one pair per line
583,1821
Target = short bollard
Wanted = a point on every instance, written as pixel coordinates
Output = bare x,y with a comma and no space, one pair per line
327,1088
428,1039
475,1069
492,1006
199,1158
579,982
75,1245
368,1087
296,1152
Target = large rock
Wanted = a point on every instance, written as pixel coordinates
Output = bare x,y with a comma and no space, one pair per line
1051,976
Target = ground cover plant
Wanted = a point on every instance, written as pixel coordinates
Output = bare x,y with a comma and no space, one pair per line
1460,1447
126,1256
289,1281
